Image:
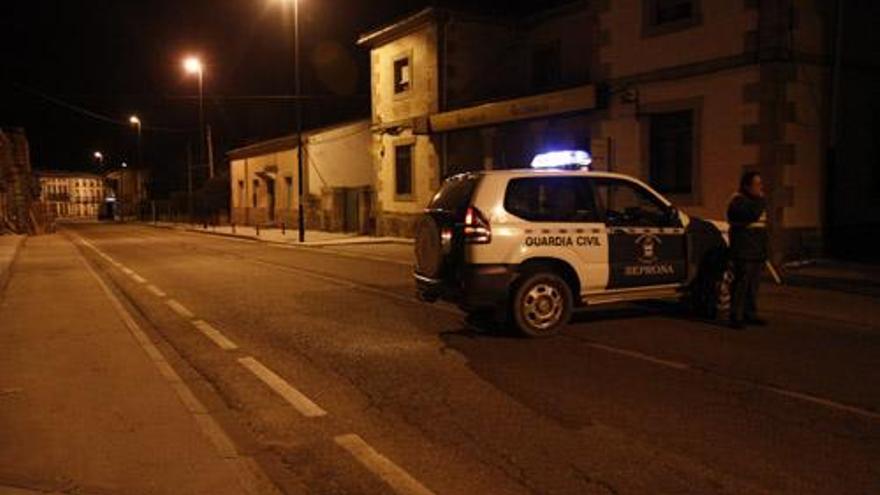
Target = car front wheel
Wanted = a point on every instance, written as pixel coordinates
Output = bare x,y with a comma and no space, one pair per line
541,304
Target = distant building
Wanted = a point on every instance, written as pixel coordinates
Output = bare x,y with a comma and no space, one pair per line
72,195
684,94
127,190
338,174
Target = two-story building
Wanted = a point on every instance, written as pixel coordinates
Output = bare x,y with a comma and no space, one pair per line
453,92
685,94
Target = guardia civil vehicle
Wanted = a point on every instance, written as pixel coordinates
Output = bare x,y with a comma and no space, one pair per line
531,246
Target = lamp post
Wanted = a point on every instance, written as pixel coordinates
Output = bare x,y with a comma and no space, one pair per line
122,191
297,95
193,65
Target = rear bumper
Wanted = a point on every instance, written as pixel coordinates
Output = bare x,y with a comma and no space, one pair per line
476,287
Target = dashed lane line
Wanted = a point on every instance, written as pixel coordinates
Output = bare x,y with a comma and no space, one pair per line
392,474
215,335
156,291
294,397
180,309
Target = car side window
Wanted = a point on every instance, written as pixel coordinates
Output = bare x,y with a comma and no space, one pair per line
625,204
551,199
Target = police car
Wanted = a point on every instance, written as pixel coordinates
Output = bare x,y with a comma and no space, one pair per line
530,246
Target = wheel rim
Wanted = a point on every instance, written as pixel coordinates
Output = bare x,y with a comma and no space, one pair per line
542,306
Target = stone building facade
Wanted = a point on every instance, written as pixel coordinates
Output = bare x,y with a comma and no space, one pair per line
17,212
685,94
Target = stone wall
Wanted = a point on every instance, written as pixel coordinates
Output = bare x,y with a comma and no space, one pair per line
17,198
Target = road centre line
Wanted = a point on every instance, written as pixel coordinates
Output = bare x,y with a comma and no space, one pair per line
791,394
294,397
180,309
392,474
215,335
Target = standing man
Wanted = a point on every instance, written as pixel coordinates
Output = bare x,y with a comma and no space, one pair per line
747,215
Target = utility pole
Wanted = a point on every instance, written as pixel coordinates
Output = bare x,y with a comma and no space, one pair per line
299,124
189,182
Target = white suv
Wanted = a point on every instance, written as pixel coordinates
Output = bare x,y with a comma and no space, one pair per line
529,246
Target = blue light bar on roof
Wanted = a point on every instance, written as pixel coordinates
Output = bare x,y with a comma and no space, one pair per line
562,159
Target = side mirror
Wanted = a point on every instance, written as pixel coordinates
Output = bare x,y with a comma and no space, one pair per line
672,216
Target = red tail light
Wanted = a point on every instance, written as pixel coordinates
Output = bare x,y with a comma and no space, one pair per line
476,227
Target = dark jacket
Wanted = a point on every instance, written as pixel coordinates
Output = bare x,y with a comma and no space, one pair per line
748,227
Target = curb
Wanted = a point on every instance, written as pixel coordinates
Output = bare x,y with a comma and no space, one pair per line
313,244
6,264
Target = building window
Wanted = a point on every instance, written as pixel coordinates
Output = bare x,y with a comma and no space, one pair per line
288,184
671,152
403,171
665,16
254,195
402,75
546,66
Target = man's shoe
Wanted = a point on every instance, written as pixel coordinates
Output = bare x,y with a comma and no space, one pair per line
758,322
736,325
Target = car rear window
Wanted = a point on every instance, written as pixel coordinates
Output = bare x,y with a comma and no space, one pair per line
455,194
551,199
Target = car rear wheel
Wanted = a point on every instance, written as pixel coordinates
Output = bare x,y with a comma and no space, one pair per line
541,304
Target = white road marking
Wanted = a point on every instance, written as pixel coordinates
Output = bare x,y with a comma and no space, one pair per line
252,479
392,474
155,290
606,348
638,355
215,335
180,309
293,396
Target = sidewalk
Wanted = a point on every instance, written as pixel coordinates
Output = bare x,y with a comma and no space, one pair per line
835,275
83,408
314,238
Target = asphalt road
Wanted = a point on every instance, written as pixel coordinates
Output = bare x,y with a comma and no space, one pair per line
376,393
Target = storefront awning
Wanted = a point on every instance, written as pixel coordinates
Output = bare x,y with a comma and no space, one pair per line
529,107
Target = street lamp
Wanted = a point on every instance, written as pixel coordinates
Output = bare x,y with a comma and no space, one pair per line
297,90
193,65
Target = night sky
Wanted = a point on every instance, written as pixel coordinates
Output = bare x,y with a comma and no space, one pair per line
73,71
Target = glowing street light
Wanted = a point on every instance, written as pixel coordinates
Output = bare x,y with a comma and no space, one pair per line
98,156
192,65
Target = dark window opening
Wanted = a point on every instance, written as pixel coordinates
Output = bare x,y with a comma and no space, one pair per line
669,11
402,75
403,170
671,152
546,66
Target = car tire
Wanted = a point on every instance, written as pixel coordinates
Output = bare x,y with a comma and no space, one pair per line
541,304
428,248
